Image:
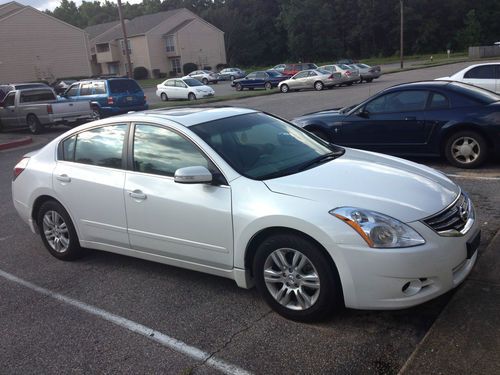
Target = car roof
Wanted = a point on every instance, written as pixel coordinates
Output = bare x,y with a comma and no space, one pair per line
189,116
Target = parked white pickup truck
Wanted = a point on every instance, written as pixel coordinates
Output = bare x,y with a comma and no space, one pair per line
37,108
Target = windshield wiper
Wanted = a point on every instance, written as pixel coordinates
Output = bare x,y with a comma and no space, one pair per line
321,159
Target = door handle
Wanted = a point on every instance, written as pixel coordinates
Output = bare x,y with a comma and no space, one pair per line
63,178
410,118
137,194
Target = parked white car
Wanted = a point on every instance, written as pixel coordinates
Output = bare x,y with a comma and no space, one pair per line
485,75
241,194
204,76
183,88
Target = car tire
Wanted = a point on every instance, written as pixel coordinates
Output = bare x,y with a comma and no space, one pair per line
466,149
34,124
191,96
349,83
164,97
204,81
96,113
232,78
268,86
295,278
318,86
57,231
239,87
284,88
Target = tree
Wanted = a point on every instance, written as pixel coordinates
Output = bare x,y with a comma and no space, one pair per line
470,35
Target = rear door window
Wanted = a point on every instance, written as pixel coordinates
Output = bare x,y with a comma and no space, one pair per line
9,100
86,89
481,72
99,88
438,101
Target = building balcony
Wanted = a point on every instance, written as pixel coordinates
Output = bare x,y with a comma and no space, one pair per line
107,54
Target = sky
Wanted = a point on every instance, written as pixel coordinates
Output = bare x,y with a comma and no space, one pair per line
51,4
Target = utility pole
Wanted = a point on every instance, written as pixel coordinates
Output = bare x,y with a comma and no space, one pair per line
401,34
125,40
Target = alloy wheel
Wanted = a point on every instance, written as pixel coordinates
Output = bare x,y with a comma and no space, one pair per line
56,231
465,149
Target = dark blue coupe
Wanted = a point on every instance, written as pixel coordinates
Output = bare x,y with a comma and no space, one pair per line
433,118
262,80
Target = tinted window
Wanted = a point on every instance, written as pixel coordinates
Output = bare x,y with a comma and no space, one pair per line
161,151
273,73
99,88
9,100
37,96
252,76
474,93
101,146
301,75
401,101
438,101
311,66
481,72
128,86
261,75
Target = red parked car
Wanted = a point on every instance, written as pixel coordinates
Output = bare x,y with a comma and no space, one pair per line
292,69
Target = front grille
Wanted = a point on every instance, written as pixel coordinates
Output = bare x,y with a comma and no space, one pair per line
453,219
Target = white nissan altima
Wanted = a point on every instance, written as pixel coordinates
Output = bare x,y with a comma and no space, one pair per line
244,195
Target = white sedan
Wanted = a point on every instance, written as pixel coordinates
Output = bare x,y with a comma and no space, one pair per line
183,88
241,194
485,75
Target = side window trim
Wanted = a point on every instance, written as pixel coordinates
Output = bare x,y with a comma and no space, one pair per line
130,150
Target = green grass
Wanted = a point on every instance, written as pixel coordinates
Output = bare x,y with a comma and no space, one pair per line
147,83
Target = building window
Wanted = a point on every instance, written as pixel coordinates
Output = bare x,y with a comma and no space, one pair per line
176,65
102,47
170,46
113,68
122,45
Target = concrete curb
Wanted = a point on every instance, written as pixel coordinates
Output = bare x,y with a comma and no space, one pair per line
15,143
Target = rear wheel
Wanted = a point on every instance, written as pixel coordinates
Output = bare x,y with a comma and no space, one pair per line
164,97
268,86
369,80
232,78
34,124
466,149
294,277
318,86
57,231
191,96
96,113
205,81
284,88
239,87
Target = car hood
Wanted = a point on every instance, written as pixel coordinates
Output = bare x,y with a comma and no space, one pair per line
327,116
401,189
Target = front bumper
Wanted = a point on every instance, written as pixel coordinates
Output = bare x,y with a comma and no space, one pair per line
400,278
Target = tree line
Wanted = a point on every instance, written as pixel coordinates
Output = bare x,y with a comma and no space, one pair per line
263,32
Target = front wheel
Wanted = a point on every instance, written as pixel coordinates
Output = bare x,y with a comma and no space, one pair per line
164,97
284,88
34,124
57,231
191,96
295,278
466,149
239,87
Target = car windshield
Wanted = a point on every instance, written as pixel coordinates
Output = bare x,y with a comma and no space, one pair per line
124,86
274,73
192,82
477,93
261,147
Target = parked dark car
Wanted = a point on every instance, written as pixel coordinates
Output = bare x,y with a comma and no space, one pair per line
436,118
292,69
261,79
110,96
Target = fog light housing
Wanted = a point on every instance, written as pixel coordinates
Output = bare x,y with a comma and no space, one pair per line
412,287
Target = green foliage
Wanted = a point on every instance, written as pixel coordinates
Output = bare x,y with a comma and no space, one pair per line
267,32
140,72
189,67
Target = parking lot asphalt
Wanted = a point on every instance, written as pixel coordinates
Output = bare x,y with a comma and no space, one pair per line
43,334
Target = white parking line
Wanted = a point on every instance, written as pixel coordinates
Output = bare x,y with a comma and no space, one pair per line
473,177
130,325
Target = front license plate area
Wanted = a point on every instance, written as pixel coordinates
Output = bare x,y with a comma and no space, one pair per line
473,244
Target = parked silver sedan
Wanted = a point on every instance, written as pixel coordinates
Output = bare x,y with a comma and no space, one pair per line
349,75
366,72
310,79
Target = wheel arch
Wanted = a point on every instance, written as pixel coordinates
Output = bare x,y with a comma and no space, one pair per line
259,237
461,127
39,201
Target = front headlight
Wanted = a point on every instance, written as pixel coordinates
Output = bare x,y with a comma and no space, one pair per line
378,230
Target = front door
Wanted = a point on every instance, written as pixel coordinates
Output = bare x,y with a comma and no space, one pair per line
190,222
8,114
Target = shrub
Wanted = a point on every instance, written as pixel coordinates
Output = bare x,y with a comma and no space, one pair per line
188,68
206,67
219,67
140,73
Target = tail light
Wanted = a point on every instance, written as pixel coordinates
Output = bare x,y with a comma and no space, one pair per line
331,76
111,101
19,168
50,111
348,73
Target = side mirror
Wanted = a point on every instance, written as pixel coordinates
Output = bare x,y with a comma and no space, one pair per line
193,175
364,113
